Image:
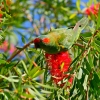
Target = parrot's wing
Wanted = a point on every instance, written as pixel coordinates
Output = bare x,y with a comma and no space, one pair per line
66,39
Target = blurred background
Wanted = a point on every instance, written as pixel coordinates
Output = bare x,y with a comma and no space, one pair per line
23,20
34,17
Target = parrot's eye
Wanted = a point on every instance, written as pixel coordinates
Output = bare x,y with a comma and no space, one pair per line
46,40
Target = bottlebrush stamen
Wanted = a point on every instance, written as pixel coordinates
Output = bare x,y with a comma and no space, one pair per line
93,9
59,64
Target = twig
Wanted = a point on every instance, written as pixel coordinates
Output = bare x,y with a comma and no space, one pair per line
35,64
80,45
87,94
18,51
84,54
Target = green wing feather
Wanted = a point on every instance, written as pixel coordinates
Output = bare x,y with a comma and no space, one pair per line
62,39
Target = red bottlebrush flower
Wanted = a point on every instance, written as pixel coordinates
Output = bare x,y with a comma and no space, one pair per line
56,75
70,80
1,15
60,60
59,64
5,47
12,49
93,9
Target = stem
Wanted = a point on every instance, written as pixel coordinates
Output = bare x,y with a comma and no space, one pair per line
87,48
87,93
18,51
80,45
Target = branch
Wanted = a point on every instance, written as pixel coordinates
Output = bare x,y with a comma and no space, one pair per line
80,45
87,48
87,94
18,51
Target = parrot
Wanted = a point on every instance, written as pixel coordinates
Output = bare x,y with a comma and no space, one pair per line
61,39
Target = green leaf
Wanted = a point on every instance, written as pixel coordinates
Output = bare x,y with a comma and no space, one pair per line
85,71
64,8
34,70
36,74
10,79
80,73
88,67
76,59
5,5
62,97
46,92
23,39
25,67
80,97
98,19
90,59
1,55
85,82
39,94
3,62
72,16
2,38
27,56
27,95
96,78
97,47
18,71
97,42
32,92
1,1
11,64
46,86
78,5
20,48
80,86
86,34
94,84
8,95
7,15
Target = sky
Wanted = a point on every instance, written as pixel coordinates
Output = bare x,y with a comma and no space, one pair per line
81,0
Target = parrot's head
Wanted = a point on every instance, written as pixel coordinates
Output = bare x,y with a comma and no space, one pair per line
37,42
41,41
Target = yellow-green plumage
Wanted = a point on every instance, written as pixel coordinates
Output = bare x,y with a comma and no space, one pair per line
61,39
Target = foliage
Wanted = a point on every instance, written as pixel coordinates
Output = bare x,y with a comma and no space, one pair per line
24,72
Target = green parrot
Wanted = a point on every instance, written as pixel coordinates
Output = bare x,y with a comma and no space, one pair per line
62,39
